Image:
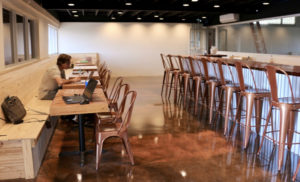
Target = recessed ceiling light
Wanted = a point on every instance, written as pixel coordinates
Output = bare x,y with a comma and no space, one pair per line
161,18
183,19
265,3
71,4
113,18
128,4
74,11
216,6
139,18
156,16
185,5
120,12
194,0
203,17
256,10
76,15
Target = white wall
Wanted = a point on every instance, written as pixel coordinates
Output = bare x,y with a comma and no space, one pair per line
129,49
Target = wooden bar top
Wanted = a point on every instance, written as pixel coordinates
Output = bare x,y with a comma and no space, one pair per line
290,69
59,107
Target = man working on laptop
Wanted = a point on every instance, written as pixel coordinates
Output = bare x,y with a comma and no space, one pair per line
54,78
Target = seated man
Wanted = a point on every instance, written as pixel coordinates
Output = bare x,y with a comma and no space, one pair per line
54,78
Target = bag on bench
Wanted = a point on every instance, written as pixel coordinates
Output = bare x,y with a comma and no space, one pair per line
13,110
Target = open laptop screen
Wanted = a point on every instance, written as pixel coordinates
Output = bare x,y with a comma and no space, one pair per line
88,91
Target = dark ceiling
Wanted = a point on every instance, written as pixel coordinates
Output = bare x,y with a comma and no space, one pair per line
167,10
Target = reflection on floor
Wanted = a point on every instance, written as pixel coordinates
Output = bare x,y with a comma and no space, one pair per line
169,144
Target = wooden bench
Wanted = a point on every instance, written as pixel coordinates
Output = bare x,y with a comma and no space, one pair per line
23,146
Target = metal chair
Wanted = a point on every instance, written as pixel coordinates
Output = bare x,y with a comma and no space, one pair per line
116,129
287,107
230,87
254,96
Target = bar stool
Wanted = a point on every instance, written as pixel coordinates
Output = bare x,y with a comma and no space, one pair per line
168,69
198,77
174,66
287,107
254,97
185,75
230,87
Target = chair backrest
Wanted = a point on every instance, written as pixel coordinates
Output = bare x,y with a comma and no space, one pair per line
271,74
174,62
225,70
239,68
213,71
201,63
195,68
184,63
127,115
115,88
104,80
120,93
165,62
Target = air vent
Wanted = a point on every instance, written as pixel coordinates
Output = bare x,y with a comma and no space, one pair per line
227,18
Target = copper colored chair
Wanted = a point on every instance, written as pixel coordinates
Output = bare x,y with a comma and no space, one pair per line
104,80
230,87
198,78
254,96
174,67
116,129
287,107
168,69
185,73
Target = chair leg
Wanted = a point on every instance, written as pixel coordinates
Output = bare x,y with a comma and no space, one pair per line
296,172
229,92
197,86
291,129
265,130
127,147
99,146
284,119
185,82
250,100
163,83
212,99
258,111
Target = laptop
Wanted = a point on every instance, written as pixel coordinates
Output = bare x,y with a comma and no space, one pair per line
85,98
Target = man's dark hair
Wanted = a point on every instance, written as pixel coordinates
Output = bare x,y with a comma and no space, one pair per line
63,58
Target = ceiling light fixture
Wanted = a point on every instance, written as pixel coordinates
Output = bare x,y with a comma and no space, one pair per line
161,18
185,5
74,11
216,6
156,16
113,18
183,19
256,10
128,4
266,3
120,12
194,0
76,16
204,17
139,18
71,4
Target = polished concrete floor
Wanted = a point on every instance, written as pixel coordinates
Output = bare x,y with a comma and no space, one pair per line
169,144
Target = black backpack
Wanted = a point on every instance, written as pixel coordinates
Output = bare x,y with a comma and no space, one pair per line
13,110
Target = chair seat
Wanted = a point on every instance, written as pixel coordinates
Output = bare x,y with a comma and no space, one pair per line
109,127
258,91
289,100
